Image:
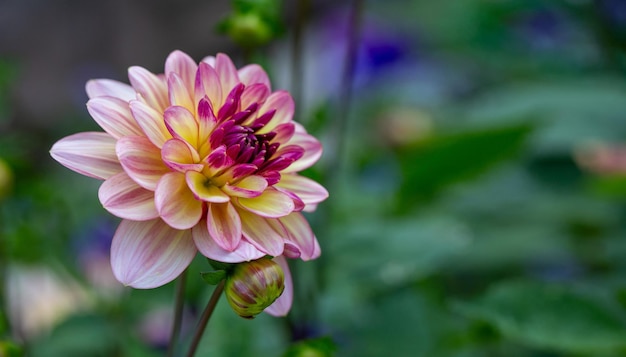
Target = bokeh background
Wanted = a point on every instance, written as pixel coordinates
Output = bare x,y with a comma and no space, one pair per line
475,153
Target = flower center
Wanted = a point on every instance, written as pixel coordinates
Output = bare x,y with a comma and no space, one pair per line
244,146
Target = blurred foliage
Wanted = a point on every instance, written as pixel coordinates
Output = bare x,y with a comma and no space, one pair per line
459,223
253,23
551,316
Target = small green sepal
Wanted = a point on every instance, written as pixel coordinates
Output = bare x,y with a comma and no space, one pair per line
221,266
213,277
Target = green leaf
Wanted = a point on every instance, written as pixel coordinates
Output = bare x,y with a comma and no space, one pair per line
387,253
213,277
437,163
549,316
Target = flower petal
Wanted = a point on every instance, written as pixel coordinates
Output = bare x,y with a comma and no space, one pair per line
122,197
149,254
141,160
282,102
91,154
178,92
309,191
282,305
176,204
184,66
203,189
208,84
255,93
224,225
248,187
210,249
109,88
114,116
179,156
312,151
152,88
181,123
259,232
300,234
271,203
253,74
151,122
227,72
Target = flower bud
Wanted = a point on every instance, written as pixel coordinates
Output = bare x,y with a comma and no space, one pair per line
253,286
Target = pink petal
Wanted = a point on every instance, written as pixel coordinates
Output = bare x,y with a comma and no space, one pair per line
208,84
203,189
227,72
176,204
282,102
284,133
181,123
141,160
300,234
255,93
253,74
114,116
206,124
210,60
152,88
312,151
178,92
271,203
224,225
266,237
184,66
248,187
91,154
210,249
109,88
282,305
149,254
122,197
179,156
309,191
151,122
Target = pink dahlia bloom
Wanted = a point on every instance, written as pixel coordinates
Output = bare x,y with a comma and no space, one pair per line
202,158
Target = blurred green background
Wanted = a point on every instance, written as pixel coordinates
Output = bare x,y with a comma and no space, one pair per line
477,173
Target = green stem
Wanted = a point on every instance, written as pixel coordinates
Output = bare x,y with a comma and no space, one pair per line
178,312
204,320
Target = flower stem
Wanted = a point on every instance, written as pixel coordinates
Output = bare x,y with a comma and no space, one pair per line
178,312
204,320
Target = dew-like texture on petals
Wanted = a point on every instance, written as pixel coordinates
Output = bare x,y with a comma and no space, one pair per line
202,157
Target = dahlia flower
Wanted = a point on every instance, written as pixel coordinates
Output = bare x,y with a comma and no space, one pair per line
204,158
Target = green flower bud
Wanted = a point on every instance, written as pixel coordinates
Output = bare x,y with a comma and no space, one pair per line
253,286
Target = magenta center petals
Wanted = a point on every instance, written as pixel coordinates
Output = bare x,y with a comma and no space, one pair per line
200,149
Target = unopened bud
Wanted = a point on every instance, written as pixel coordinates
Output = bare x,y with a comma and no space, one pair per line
253,286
